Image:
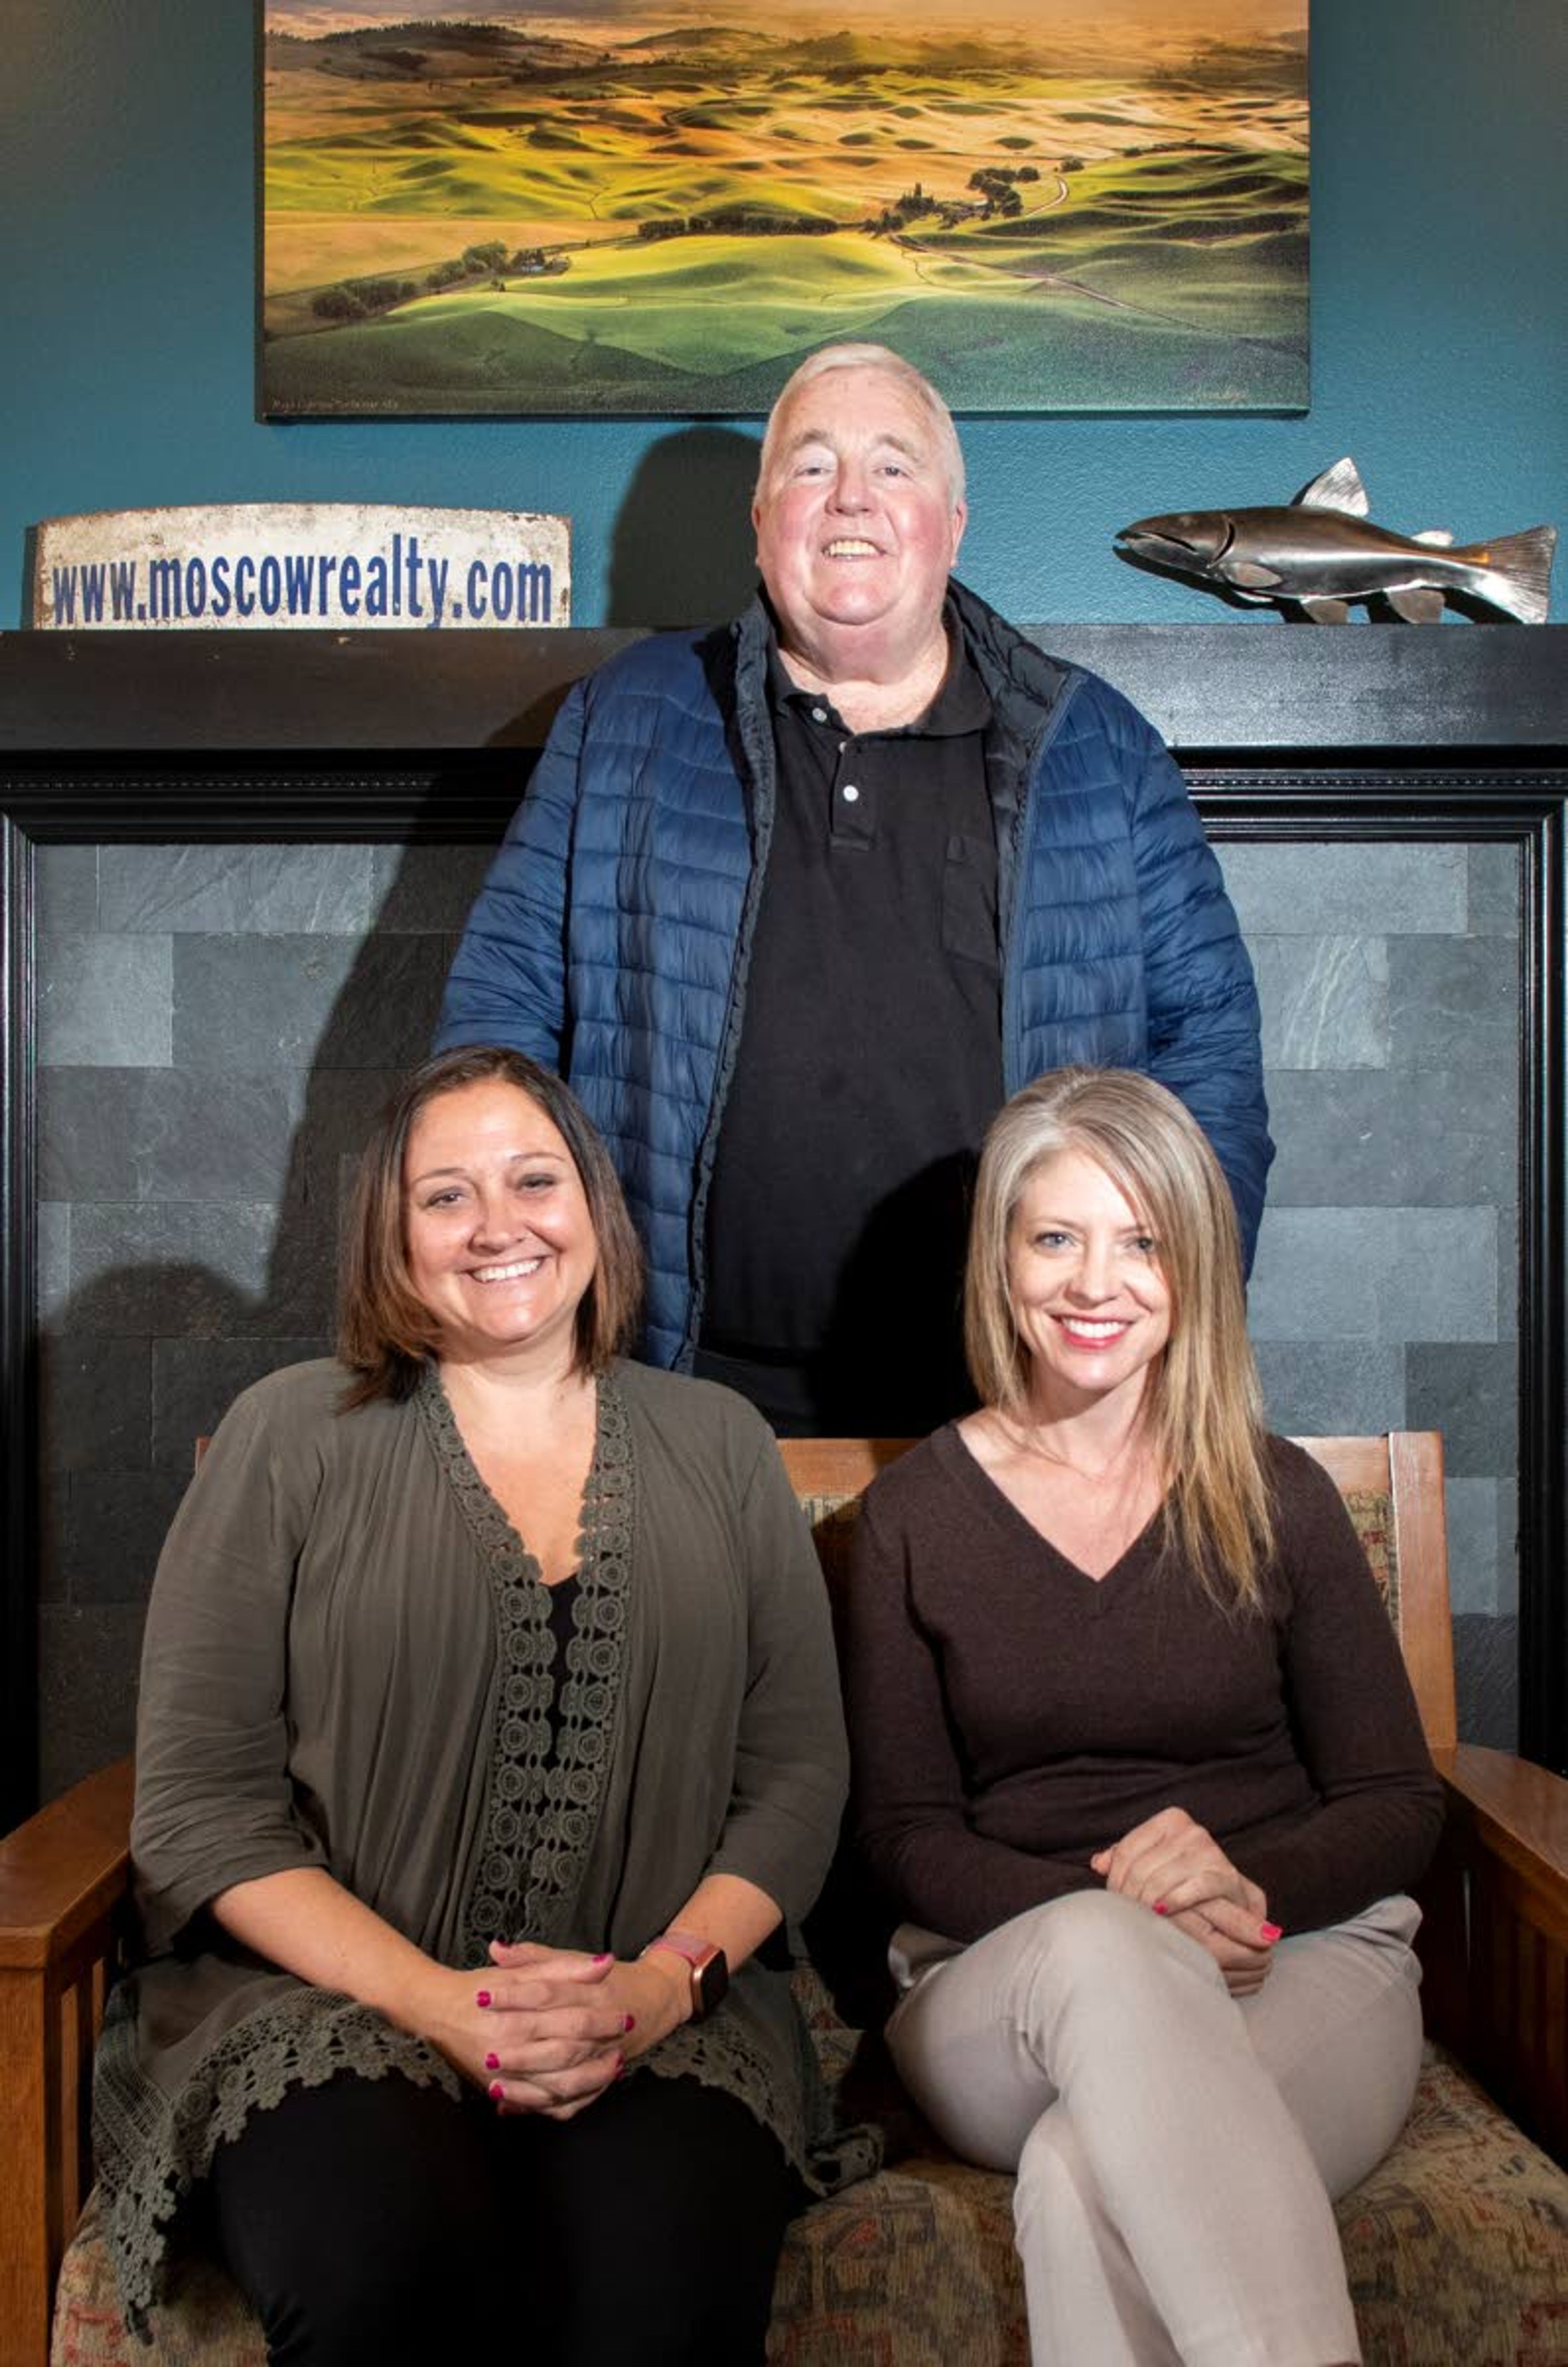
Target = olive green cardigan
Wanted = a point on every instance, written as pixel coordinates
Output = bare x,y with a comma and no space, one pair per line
348,1665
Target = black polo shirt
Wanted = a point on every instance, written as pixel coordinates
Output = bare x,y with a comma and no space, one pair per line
869,1067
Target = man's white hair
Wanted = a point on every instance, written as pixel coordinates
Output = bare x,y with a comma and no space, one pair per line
878,357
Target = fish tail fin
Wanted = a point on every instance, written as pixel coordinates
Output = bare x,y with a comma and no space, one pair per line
1520,568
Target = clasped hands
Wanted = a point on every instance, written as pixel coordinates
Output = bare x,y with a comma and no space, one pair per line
548,2030
1171,1865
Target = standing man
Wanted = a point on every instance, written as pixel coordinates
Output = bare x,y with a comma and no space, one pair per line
797,903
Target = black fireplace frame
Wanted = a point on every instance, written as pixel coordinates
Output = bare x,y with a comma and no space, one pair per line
1374,732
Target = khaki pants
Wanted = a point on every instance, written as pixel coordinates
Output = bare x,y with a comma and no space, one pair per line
1176,2150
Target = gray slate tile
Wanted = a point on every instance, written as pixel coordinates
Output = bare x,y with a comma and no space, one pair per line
65,891
1383,1275
95,1403
196,1381
1470,1394
86,1127
1354,888
1324,1388
54,1506
1510,1284
53,1222
1442,1137
427,890
1486,1666
1495,889
251,890
1509,1547
116,1523
107,1003
342,1109
1325,1001
88,1671
1473,1516
197,1270
156,1134
298,1002
1454,1003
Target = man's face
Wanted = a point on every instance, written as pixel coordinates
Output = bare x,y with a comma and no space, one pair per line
857,525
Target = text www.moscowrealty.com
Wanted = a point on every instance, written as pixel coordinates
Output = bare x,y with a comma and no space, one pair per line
402,581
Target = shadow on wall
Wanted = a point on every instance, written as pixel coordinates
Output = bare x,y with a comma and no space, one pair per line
222,1268
684,552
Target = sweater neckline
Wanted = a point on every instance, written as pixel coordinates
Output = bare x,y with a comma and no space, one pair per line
1130,1564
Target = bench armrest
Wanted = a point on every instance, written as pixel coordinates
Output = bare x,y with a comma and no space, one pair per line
1508,1822
63,1871
62,1876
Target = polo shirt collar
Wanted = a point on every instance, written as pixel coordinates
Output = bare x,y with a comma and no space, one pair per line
962,704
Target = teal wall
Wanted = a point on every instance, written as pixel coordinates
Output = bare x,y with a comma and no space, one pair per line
1439,331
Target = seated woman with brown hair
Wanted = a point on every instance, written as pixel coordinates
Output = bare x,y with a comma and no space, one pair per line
489,1731
1136,1758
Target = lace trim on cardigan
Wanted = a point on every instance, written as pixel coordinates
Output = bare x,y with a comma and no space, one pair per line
152,2150
722,2054
543,1807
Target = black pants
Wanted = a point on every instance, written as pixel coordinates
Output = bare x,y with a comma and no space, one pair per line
372,2220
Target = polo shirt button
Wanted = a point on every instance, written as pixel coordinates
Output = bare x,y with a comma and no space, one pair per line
820,715
851,793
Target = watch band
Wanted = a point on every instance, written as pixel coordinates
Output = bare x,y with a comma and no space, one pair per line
708,1965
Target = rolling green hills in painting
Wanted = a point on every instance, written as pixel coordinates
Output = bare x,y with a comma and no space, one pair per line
624,215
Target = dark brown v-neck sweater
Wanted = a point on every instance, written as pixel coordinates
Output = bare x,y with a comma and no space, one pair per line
1010,1716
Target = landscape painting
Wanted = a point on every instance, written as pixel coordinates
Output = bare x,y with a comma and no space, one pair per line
622,207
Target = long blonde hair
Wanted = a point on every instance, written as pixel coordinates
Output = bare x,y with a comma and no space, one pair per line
1202,1404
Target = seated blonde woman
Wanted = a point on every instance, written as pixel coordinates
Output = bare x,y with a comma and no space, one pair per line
489,1729
1137,1761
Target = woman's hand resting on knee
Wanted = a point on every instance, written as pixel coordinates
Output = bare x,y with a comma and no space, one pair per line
1172,1864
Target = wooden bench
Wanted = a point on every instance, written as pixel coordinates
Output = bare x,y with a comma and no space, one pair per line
1457,2245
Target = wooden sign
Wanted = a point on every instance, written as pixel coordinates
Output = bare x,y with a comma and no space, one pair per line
293,565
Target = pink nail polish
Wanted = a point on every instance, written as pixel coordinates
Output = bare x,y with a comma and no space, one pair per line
1160,1907
496,2091
1272,1930
482,1998
604,1957
628,2022
493,2062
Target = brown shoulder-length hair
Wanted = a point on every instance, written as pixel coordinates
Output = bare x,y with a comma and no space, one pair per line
1203,1403
386,1333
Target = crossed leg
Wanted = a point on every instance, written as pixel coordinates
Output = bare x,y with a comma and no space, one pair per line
1175,2149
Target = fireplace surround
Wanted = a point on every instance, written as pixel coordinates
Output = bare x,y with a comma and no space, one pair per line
1389,803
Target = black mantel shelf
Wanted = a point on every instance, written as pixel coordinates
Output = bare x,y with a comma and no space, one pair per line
1237,687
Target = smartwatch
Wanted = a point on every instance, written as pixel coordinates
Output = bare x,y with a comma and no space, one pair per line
709,1968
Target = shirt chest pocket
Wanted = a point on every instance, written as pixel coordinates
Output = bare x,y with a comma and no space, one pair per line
969,900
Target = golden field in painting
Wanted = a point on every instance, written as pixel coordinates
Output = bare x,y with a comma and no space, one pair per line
639,213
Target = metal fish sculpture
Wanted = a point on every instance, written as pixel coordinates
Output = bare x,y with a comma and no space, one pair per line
1323,551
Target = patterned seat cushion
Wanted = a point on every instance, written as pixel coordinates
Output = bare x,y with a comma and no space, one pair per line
1456,2247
